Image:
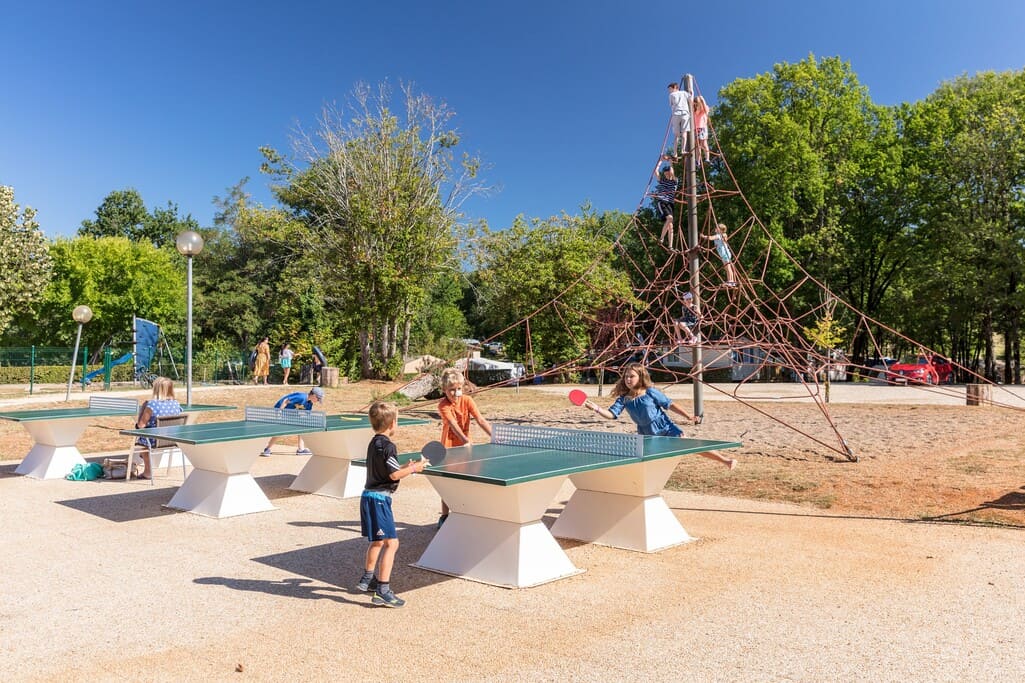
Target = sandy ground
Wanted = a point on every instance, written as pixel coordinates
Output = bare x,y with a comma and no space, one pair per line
102,583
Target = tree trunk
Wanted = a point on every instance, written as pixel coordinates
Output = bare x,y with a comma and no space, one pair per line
421,386
384,341
366,366
989,362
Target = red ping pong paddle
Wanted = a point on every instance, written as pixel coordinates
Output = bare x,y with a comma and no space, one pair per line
434,451
577,397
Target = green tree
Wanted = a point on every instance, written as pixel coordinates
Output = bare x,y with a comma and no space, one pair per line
24,258
379,194
255,283
117,279
966,144
441,317
123,214
543,283
820,165
826,334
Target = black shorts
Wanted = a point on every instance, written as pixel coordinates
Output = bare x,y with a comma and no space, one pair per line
663,209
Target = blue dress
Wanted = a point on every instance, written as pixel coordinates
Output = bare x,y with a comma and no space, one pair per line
649,412
158,408
723,249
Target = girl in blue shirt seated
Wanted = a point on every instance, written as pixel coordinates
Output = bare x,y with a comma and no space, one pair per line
162,404
647,407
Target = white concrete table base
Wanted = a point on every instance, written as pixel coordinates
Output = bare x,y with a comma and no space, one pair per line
623,507
220,484
494,534
54,453
329,471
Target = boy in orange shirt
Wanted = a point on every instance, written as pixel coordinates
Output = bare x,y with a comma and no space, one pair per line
456,411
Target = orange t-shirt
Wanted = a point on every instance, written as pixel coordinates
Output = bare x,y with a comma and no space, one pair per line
459,412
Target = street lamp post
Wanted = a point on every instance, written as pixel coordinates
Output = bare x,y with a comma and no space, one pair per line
81,315
189,243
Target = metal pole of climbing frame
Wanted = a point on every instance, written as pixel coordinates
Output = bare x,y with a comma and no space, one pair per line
693,238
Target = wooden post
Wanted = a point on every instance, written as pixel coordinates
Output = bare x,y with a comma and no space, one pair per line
329,377
978,394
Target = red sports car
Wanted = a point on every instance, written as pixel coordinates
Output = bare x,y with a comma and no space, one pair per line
921,370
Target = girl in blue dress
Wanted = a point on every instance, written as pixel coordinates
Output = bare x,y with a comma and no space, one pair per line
647,406
162,404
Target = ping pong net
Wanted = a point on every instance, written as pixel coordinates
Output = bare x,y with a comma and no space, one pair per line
301,418
604,443
111,403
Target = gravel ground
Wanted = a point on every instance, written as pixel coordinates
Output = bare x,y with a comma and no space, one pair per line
103,584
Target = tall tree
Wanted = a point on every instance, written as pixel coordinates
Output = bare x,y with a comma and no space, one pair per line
965,140
117,279
124,214
380,196
820,165
240,272
545,282
24,258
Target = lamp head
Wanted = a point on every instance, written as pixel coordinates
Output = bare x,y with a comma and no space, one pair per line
82,314
189,243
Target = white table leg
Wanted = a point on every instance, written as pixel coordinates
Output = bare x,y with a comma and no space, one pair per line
623,507
329,471
54,452
494,534
332,477
220,484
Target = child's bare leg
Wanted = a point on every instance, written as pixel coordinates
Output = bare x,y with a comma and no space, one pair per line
391,546
373,552
667,232
711,455
147,466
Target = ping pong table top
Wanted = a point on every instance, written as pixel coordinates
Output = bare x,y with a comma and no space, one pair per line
240,430
92,411
507,465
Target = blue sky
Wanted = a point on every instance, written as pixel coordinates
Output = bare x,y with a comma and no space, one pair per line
565,101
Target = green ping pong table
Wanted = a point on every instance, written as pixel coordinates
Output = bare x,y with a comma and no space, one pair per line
498,492
55,432
222,453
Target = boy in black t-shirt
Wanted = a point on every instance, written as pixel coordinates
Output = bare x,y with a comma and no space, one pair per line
375,514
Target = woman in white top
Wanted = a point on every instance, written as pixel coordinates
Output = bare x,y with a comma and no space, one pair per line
286,361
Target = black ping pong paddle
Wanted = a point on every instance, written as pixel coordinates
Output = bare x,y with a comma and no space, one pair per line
434,451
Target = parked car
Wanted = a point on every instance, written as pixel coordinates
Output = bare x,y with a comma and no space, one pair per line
920,369
944,368
876,368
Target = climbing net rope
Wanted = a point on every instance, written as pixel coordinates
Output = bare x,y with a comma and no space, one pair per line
711,300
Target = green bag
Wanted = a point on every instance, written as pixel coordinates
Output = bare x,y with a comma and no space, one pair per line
88,472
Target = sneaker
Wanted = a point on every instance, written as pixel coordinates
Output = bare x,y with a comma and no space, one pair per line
304,451
366,585
388,599
266,453
441,520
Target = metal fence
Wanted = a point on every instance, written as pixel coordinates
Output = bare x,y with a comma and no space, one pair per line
44,365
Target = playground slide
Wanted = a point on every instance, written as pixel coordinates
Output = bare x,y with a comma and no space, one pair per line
96,373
